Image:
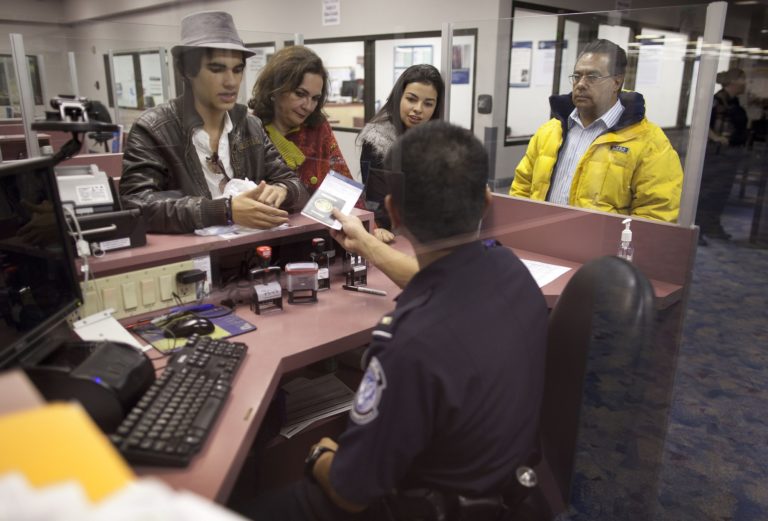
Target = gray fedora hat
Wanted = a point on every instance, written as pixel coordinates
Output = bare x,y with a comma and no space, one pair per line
209,29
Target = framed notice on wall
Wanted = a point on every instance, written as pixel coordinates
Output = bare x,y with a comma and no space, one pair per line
460,64
520,64
544,72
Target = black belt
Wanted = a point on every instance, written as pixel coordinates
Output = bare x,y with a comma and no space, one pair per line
424,504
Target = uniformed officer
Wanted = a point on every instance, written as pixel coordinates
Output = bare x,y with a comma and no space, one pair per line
448,407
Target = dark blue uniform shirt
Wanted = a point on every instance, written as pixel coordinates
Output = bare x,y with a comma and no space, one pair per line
451,395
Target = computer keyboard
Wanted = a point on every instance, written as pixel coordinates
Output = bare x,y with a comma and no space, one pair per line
171,422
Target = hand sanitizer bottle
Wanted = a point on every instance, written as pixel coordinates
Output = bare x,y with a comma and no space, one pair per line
626,251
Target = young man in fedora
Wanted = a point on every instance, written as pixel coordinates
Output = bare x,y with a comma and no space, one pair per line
181,154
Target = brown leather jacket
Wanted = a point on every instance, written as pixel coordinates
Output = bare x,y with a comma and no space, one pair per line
163,177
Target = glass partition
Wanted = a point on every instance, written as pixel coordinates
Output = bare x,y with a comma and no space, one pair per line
395,55
254,64
516,63
140,78
125,67
622,465
501,74
10,101
345,63
526,60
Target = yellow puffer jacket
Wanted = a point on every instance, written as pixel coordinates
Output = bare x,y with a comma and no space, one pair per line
631,169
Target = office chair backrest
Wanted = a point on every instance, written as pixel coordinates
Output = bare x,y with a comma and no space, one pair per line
99,112
602,321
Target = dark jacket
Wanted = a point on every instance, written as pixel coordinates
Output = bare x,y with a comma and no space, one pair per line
162,174
377,138
729,118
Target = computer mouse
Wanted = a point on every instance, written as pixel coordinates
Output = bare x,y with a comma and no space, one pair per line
188,326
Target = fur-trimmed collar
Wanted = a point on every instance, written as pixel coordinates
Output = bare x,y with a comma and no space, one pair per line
380,135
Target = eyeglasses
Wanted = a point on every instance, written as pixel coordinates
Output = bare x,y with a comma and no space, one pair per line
589,79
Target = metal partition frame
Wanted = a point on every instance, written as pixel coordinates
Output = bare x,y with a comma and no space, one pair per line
446,42
702,105
702,108
26,94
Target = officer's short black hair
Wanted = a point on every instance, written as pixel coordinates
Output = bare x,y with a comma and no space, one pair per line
617,56
441,191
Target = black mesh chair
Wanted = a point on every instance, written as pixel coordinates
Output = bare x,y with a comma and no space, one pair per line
594,382
99,112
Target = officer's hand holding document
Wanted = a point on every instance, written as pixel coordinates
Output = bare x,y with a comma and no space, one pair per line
336,191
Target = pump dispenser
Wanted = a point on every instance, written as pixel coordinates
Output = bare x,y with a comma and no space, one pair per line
626,250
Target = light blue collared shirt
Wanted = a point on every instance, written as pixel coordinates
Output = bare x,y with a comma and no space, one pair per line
576,143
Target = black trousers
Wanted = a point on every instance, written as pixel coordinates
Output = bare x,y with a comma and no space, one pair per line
721,165
304,501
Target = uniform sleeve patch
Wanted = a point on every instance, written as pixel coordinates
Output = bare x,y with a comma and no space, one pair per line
366,406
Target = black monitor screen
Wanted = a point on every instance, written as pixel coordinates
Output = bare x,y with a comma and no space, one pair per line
349,88
38,282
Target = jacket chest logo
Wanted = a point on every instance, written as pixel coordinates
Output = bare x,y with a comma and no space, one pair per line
619,148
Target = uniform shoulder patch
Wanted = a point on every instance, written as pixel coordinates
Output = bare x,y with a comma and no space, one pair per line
384,328
365,408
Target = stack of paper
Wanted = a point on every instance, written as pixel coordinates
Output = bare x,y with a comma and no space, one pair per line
544,273
311,400
56,465
139,500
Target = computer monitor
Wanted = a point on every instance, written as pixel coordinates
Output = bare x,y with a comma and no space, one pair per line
349,88
39,286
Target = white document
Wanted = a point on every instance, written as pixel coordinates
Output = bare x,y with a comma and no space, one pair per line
141,500
20,501
336,191
103,326
544,273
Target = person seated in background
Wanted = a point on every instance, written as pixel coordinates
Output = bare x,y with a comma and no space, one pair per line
450,398
289,97
417,97
600,151
181,154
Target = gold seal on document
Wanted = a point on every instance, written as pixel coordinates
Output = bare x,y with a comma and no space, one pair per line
324,205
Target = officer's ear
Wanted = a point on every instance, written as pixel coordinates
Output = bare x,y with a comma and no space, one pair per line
394,214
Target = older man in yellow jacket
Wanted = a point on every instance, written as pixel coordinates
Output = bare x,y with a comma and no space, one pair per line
600,151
